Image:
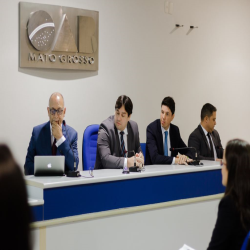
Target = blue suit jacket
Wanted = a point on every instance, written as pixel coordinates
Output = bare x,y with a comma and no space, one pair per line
154,144
40,144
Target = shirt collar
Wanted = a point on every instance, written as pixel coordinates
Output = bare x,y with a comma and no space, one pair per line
204,130
163,130
125,131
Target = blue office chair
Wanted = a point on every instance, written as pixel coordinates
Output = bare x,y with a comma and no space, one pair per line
244,246
143,148
89,145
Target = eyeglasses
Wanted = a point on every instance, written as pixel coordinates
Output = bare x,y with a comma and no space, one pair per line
54,111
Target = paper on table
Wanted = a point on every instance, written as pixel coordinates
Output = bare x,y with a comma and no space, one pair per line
185,247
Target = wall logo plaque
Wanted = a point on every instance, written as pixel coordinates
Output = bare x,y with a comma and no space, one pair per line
58,37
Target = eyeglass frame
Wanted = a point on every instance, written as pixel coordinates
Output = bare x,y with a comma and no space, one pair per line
51,110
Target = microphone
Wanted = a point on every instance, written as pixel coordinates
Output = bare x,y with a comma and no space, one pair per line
71,173
195,162
131,169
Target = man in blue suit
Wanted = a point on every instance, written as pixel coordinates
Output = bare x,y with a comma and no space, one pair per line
162,135
51,138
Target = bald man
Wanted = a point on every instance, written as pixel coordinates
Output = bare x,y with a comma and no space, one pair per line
51,138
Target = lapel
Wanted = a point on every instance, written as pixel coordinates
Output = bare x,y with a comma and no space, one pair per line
117,150
204,137
171,138
130,139
46,139
65,133
159,137
214,140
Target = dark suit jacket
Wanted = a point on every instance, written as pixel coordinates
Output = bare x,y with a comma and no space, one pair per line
198,140
228,233
40,144
154,144
108,154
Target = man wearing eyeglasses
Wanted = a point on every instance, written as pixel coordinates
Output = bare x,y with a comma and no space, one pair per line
51,138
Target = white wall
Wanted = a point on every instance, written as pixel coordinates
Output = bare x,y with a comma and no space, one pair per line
142,56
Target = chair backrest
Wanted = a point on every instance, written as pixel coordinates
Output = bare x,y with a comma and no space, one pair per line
89,145
143,148
245,243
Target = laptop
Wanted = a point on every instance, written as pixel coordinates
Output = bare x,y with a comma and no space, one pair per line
49,165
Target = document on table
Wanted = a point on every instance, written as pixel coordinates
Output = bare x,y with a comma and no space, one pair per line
185,247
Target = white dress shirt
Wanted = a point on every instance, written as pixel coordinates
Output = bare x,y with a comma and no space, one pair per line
58,142
205,132
125,139
169,145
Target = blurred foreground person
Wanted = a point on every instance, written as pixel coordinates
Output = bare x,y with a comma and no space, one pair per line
233,222
15,214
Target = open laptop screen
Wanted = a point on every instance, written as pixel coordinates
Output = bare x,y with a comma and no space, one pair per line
49,165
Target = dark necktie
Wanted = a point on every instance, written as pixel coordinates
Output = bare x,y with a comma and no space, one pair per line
54,148
211,144
122,145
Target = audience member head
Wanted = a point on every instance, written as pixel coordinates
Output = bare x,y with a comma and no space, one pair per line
236,175
167,112
56,109
123,111
15,214
208,117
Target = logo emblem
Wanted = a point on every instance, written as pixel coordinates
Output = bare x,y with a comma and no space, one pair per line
58,37
49,165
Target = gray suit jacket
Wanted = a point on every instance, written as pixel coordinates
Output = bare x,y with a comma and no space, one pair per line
198,140
108,154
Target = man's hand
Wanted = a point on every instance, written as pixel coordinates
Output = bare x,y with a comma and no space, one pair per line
182,160
139,161
140,155
219,160
56,129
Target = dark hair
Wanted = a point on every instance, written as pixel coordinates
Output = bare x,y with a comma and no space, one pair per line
126,101
237,156
207,110
15,214
169,102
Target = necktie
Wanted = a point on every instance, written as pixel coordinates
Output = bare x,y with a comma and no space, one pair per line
211,145
122,145
166,144
54,148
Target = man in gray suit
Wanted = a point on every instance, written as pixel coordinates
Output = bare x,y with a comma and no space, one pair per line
118,137
205,138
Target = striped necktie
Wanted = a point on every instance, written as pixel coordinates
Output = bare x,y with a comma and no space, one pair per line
122,145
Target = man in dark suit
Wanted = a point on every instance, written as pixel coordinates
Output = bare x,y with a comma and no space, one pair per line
163,135
118,136
51,137
205,135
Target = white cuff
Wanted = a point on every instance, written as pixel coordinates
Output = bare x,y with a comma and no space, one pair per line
173,162
60,141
